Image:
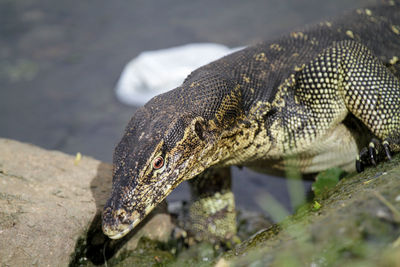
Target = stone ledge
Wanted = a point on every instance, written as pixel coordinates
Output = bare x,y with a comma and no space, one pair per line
48,201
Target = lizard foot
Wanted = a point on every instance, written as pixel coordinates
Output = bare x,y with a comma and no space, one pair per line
371,155
212,218
212,214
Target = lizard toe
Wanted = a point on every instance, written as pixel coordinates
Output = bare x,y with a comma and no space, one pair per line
373,154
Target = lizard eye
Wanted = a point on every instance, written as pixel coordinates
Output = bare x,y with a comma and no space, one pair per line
158,162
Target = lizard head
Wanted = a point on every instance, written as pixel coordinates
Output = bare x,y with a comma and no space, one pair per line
161,147
174,137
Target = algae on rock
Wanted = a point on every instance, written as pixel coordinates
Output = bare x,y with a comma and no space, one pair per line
358,222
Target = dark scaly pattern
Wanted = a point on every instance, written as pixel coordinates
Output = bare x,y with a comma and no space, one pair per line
311,99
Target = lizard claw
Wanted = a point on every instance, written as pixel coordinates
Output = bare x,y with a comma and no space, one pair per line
359,165
360,161
387,149
373,154
372,151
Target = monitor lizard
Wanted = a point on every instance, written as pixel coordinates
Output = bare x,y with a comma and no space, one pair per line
324,96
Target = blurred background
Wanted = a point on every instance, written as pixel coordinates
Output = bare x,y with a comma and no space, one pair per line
60,61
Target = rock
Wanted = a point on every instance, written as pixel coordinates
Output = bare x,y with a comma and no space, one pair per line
357,223
50,207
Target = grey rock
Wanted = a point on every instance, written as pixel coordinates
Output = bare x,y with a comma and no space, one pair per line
50,200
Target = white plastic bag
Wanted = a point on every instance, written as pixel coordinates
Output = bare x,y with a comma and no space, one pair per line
154,72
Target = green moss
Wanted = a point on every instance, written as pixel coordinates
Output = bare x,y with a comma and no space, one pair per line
201,254
356,224
147,253
326,180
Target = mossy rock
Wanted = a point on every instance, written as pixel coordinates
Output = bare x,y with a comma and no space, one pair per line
357,224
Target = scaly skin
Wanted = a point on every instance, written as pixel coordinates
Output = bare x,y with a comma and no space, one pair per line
316,96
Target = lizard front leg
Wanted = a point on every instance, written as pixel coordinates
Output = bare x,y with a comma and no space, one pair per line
212,214
372,93
348,77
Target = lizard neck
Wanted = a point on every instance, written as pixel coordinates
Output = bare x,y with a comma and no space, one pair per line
248,141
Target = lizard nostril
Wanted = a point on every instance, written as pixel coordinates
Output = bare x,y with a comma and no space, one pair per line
121,215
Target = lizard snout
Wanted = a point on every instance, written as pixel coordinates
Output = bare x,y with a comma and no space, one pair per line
118,222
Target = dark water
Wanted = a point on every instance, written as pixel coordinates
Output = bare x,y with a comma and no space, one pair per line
59,61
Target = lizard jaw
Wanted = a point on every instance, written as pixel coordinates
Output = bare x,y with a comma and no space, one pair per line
119,222
116,227
118,235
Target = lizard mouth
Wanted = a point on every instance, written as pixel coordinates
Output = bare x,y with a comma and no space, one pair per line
119,222
116,224
119,234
